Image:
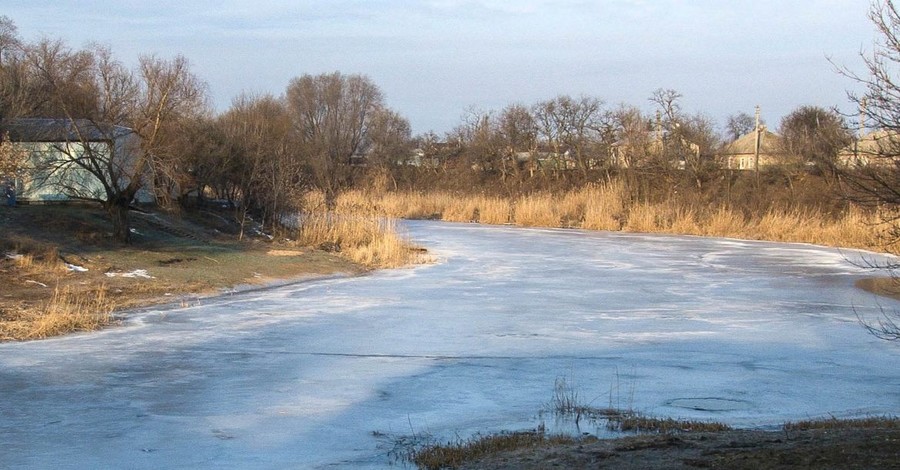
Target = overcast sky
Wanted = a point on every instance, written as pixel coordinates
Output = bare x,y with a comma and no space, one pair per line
433,59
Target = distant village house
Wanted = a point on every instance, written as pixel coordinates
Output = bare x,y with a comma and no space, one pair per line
754,150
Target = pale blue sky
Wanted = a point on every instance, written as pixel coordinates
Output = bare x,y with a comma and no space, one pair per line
433,59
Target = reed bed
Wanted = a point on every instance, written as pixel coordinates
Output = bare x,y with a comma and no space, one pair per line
539,210
607,207
604,207
368,240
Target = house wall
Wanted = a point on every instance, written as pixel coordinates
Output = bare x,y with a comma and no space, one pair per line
45,180
747,161
50,174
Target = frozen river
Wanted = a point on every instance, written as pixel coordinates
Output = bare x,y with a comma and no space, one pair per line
326,373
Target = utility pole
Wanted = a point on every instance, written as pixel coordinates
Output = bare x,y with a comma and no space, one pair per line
756,148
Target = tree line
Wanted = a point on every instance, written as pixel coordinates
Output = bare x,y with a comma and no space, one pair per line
334,131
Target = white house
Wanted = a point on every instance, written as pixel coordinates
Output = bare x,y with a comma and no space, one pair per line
55,150
752,148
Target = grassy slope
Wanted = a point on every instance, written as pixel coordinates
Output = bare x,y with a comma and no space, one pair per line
191,254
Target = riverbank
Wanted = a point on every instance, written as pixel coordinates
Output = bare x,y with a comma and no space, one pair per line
834,445
61,271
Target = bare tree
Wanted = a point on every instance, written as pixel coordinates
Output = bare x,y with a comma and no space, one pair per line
331,114
740,124
12,157
576,125
170,95
668,105
388,142
877,184
478,141
517,134
12,71
633,138
263,168
688,142
103,100
204,160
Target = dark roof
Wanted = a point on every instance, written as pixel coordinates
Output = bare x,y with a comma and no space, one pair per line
59,130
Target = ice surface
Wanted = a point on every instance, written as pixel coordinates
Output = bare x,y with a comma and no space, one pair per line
325,374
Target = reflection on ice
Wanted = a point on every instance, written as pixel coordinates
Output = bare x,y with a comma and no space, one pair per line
321,373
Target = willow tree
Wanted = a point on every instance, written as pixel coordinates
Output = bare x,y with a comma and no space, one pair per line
331,115
259,157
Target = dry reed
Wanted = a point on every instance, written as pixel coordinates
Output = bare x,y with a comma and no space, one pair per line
538,210
367,240
606,207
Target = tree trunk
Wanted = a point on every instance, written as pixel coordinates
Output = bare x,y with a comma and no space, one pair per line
118,214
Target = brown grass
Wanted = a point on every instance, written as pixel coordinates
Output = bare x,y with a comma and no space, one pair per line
631,421
65,312
872,422
368,240
538,210
455,454
607,207
604,207
30,258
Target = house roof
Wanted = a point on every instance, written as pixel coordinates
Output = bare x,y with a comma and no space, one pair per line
59,130
876,142
746,144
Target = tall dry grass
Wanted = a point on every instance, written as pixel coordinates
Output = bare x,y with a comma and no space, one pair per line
35,259
365,239
607,207
538,210
67,311
604,206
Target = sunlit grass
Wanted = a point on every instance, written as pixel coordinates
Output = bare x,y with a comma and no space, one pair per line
606,207
67,311
367,240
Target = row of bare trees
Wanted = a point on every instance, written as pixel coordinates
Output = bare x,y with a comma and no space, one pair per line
256,155
568,134
264,150
332,131
581,138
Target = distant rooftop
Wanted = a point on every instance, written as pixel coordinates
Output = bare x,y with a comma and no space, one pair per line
59,130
